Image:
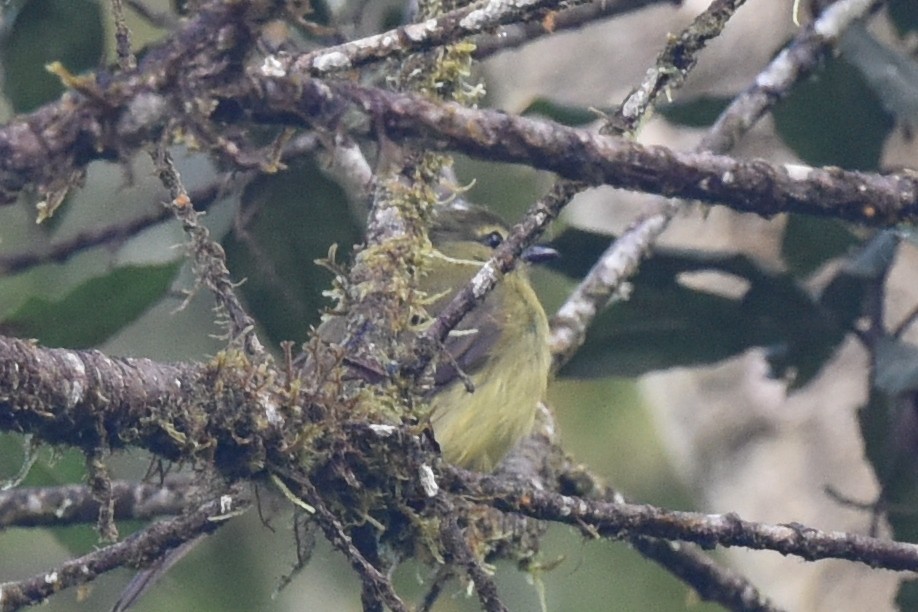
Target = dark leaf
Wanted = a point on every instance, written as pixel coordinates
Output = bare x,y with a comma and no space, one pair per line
659,327
42,32
816,119
667,324
904,15
809,242
889,425
276,250
94,310
700,112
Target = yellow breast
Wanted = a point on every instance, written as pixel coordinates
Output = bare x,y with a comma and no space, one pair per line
475,430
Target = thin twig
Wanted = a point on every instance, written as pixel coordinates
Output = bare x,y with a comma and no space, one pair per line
209,257
907,321
624,520
798,60
374,581
111,235
621,261
673,65
100,484
444,574
618,263
458,548
446,28
126,58
145,545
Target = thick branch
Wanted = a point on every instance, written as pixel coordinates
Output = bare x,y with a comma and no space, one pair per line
64,396
111,117
745,185
59,139
178,412
711,582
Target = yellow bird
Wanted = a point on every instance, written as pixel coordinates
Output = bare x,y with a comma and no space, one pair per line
502,345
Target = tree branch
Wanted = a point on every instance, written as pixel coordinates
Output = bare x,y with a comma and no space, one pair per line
748,186
447,28
178,412
623,258
136,550
711,582
74,504
620,520
517,35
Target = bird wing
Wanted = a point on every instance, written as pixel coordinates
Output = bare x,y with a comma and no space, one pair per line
468,346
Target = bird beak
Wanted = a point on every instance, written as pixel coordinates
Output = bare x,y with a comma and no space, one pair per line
538,253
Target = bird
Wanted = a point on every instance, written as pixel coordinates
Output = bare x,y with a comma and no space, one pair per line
501,346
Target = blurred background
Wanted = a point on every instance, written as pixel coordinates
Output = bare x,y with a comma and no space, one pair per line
721,385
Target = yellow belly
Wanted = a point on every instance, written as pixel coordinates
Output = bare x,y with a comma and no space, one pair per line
475,430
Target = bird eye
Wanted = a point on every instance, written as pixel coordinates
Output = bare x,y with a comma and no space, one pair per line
492,239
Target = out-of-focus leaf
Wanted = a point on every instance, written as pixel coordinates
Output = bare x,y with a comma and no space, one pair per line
297,215
94,310
665,324
816,119
581,248
890,429
904,15
889,72
875,258
574,116
809,242
889,426
799,334
54,467
659,327
896,366
43,31
700,112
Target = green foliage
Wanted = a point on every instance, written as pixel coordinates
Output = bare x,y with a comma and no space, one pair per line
276,251
565,114
44,31
904,15
666,324
817,119
809,242
700,112
94,310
